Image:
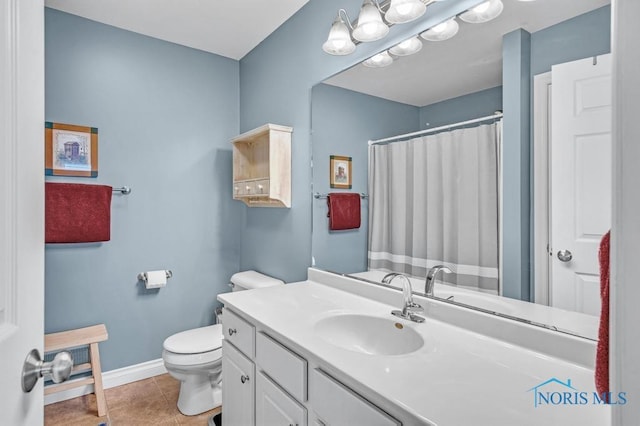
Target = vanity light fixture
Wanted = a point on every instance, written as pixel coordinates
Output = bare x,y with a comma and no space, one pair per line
339,41
380,60
443,31
484,12
370,26
403,11
407,47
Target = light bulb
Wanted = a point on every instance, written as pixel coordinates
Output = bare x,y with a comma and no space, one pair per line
482,7
339,41
442,31
370,25
440,27
380,60
484,12
402,11
407,47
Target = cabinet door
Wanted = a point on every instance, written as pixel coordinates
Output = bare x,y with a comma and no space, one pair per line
274,407
238,387
338,405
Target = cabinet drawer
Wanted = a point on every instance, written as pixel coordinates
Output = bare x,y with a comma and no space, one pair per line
238,189
275,407
261,187
286,368
239,332
336,404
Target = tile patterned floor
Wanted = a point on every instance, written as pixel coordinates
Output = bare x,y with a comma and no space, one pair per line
147,402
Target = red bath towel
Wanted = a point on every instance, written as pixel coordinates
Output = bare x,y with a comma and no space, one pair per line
77,213
602,353
344,210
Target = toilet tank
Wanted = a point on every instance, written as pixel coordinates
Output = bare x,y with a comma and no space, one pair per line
248,280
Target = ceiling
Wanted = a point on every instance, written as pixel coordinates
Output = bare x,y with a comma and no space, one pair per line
228,28
469,62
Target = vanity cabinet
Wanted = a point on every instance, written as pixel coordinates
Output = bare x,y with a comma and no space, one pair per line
265,383
262,166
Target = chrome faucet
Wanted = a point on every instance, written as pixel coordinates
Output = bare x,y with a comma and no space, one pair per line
429,283
387,278
409,306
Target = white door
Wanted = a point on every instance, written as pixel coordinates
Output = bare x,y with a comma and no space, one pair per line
21,205
580,180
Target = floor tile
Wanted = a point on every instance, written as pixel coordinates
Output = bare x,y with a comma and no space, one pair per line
151,401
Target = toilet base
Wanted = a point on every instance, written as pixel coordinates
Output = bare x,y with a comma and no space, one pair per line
198,396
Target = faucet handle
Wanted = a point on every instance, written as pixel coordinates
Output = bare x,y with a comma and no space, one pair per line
414,307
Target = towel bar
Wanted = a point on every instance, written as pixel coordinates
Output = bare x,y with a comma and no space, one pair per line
125,190
318,195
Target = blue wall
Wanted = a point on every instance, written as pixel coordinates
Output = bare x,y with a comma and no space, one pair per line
342,123
275,86
165,115
467,107
577,38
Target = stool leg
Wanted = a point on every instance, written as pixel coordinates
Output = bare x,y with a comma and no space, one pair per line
97,379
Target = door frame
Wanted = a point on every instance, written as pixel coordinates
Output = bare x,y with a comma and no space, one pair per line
21,205
541,180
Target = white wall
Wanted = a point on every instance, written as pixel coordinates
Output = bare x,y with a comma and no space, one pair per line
625,288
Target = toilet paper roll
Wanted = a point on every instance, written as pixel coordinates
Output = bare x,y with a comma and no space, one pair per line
156,279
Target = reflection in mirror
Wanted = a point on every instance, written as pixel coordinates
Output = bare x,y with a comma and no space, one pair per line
443,197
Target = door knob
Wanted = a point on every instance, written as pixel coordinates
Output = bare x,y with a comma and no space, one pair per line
34,368
565,255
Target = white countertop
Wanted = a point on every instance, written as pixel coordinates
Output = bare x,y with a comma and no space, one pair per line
457,378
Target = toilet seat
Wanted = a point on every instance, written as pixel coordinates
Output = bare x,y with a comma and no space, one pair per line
194,347
198,340
187,360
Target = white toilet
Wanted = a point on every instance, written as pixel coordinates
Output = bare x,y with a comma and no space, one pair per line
195,356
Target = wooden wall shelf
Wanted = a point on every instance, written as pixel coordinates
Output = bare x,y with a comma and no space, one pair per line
262,166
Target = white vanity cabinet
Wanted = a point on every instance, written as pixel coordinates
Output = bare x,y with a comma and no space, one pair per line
265,383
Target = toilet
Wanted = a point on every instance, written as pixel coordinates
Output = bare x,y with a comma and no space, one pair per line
195,356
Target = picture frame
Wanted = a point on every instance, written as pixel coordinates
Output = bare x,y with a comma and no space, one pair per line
70,150
340,172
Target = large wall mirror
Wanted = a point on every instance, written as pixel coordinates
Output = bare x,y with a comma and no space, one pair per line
561,43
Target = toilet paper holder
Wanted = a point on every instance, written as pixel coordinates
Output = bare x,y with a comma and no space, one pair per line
142,276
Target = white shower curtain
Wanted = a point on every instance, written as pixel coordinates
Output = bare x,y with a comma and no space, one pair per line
434,200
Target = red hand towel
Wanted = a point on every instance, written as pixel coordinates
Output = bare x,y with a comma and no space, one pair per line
77,213
602,352
344,210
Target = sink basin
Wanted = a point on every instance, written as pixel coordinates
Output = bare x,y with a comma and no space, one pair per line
369,335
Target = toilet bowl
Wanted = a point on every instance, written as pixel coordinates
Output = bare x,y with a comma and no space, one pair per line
195,356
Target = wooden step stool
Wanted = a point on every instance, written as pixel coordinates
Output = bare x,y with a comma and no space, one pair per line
90,336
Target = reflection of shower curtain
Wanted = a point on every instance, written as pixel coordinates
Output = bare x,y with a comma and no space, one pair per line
434,200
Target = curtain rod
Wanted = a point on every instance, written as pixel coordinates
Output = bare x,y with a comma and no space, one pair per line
495,116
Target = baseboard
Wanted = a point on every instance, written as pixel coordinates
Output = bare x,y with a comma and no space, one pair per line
113,378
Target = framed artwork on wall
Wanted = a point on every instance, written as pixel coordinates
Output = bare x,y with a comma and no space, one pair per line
70,150
340,172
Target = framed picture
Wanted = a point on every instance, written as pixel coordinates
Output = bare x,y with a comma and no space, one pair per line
340,172
70,150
